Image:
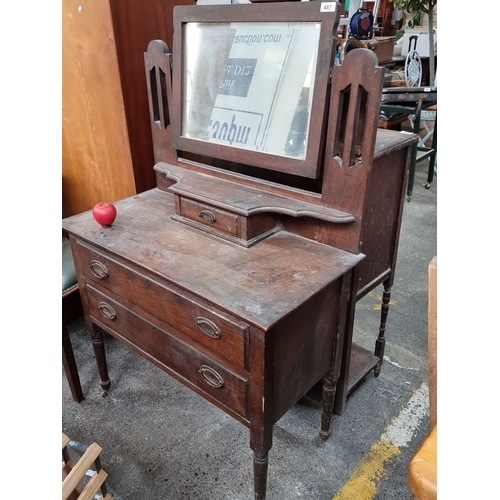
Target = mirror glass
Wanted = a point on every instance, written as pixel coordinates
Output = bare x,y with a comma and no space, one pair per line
249,85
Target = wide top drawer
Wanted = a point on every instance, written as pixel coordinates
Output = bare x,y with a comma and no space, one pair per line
214,329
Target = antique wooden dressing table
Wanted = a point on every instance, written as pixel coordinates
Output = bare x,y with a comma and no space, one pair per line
238,275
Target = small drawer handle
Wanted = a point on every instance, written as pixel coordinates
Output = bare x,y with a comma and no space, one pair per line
211,377
99,270
207,216
107,311
207,327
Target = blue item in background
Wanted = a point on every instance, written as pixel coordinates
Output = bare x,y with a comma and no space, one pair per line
361,25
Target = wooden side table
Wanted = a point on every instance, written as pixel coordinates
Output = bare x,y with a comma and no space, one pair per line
231,323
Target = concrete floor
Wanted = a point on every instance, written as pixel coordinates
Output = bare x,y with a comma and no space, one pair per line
163,442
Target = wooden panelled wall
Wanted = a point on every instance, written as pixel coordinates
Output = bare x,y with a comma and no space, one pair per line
107,151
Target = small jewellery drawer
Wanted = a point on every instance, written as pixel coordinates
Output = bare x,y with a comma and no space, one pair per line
188,364
210,216
217,331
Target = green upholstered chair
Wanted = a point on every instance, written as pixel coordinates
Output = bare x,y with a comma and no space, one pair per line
71,311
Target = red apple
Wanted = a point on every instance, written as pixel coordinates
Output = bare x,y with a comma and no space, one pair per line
104,214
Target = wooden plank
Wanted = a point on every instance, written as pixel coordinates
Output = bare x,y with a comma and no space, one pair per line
65,440
79,470
66,468
96,158
93,486
432,340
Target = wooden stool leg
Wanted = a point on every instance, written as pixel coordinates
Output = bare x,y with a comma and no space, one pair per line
69,363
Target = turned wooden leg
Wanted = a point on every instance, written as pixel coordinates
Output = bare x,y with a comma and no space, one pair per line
69,363
380,343
260,462
342,384
100,356
261,441
329,387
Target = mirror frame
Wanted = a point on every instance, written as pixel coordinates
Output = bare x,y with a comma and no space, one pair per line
325,13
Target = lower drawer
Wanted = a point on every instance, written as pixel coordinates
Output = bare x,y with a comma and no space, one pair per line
168,351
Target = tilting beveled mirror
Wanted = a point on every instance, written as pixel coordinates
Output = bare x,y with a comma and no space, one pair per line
251,89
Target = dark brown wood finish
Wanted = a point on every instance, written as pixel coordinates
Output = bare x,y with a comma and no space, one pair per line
214,276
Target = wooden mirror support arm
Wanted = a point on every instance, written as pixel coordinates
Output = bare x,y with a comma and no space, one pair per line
158,65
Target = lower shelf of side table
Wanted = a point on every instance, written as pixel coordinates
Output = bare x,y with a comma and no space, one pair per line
362,362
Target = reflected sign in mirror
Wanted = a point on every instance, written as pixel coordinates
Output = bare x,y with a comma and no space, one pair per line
254,92
252,85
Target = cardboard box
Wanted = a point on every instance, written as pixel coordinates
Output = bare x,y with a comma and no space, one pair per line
422,42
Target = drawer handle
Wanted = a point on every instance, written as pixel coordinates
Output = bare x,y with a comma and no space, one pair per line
207,216
211,377
107,311
207,327
99,270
